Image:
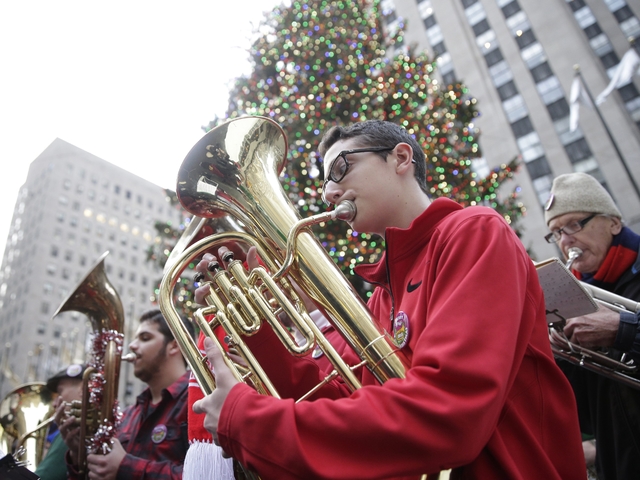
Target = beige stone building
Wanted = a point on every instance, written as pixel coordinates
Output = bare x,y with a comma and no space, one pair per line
72,208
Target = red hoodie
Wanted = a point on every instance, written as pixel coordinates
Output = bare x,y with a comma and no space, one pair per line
483,395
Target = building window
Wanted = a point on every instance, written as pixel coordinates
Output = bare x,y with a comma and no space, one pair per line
623,13
578,150
54,251
558,109
507,90
576,5
522,127
609,60
468,3
449,78
541,72
510,8
538,167
525,38
44,308
628,92
514,108
493,57
429,22
593,31
481,27
500,73
439,49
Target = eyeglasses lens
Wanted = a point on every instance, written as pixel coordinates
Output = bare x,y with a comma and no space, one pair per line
338,169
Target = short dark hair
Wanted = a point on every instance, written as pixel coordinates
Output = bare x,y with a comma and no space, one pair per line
155,316
378,133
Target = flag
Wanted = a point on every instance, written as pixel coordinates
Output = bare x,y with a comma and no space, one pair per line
627,67
577,96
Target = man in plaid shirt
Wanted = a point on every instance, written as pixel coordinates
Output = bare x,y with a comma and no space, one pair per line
152,438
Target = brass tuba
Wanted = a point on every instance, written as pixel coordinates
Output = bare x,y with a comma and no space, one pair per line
598,361
96,297
25,412
233,170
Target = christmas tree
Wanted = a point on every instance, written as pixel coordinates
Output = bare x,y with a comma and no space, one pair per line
319,63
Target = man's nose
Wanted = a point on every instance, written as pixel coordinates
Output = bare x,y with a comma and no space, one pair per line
332,192
566,239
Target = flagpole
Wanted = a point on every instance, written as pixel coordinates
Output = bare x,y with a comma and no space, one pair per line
606,129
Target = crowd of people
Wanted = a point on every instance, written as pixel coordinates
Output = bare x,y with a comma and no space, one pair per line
482,396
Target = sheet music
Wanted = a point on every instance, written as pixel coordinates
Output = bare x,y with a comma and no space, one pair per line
564,295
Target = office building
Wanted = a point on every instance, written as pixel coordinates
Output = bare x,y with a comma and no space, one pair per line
72,208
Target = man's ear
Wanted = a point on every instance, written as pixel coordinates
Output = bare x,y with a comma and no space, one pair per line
616,226
173,348
404,156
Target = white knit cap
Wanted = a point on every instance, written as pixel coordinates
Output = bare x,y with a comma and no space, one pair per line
578,192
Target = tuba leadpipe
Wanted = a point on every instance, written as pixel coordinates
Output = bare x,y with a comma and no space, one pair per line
233,170
597,361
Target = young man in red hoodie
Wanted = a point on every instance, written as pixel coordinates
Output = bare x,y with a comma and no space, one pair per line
461,298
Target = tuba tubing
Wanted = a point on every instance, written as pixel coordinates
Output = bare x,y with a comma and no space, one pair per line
233,170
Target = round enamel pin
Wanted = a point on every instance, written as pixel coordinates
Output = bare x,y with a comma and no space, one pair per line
74,370
401,329
549,203
159,433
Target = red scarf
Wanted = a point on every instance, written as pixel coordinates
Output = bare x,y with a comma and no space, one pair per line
622,254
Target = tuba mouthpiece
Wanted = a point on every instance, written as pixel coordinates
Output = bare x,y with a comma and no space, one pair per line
572,254
129,357
345,211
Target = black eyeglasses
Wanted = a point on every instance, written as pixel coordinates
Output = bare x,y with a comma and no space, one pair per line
340,165
570,228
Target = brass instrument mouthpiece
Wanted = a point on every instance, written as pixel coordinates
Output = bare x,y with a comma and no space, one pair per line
345,211
572,254
129,357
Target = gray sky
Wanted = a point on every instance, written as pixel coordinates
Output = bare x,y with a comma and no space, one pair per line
129,81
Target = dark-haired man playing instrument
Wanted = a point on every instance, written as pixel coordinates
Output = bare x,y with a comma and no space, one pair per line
152,438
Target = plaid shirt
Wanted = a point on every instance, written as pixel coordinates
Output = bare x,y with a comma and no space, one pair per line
154,436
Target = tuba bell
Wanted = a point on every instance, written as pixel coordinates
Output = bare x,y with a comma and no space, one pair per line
233,170
25,412
96,297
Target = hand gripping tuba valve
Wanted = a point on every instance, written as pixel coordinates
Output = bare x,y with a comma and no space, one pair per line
233,170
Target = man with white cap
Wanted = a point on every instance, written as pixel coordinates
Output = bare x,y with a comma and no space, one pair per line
581,214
